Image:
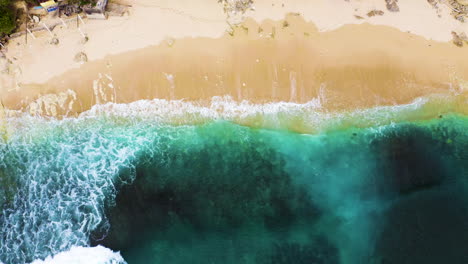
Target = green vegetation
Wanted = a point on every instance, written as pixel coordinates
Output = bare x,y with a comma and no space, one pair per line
7,17
82,2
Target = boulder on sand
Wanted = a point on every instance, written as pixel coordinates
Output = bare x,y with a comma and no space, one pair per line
457,40
81,57
392,5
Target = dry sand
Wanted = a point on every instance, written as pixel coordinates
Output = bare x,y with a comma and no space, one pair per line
180,50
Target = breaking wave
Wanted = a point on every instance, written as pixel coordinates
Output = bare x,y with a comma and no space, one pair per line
60,178
84,255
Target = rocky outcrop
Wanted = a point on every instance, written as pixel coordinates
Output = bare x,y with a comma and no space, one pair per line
115,9
234,9
81,57
54,41
457,40
392,5
459,9
375,13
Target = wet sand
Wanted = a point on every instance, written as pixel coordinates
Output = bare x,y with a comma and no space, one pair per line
355,66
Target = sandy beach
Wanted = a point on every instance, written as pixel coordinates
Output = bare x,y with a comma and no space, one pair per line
294,52
235,132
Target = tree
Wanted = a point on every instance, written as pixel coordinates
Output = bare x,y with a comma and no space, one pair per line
7,17
5,2
81,2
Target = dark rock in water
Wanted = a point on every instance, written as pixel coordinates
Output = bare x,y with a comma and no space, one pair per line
410,160
428,227
207,193
427,219
392,5
393,196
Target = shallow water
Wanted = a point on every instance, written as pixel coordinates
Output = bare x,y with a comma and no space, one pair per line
219,192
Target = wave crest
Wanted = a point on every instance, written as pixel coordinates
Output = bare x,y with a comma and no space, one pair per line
84,255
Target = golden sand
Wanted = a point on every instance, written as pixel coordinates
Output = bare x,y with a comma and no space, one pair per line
355,66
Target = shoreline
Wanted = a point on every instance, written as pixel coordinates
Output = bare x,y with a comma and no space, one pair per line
334,135
289,59
304,118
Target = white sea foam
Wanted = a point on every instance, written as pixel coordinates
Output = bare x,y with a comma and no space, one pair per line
310,116
58,183
84,255
66,171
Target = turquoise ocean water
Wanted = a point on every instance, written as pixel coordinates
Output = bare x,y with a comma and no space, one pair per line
221,192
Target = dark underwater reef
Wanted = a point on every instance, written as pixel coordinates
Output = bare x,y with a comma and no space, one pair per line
222,193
